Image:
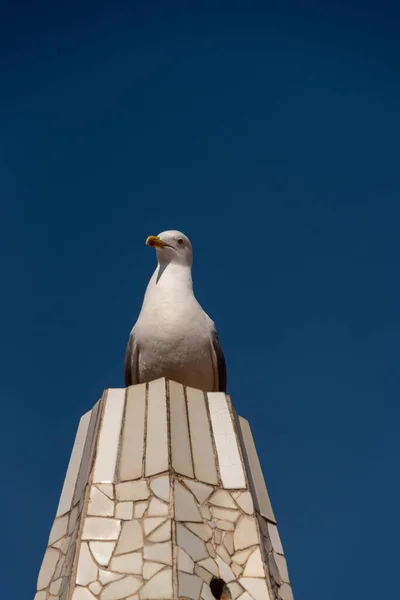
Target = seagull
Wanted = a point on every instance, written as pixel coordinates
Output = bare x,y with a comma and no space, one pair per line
173,336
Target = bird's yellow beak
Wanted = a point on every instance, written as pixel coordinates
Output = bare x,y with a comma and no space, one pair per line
155,242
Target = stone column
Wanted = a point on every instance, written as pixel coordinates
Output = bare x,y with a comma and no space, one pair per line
164,498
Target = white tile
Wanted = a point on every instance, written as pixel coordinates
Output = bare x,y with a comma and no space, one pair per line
230,463
256,587
223,499
59,544
225,571
224,554
160,487
108,444
157,437
285,592
200,435
189,586
101,528
275,539
205,513
162,533
131,537
226,514
245,502
82,593
139,509
65,545
211,549
107,489
132,490
67,493
55,587
235,590
102,551
95,587
100,505
246,596
124,511
245,533
237,569
48,567
121,588
206,593
185,563
241,556
159,586
190,543
131,461
128,563
88,453
254,566
202,530
106,576
228,542
180,443
200,490
210,565
157,508
58,530
40,596
73,519
225,525
185,505
150,569
87,569
281,564
159,553
151,523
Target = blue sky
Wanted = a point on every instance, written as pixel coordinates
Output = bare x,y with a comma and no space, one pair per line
270,136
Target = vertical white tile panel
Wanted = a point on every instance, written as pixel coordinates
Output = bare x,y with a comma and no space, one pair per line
67,493
200,436
131,461
88,452
107,446
157,433
230,464
180,443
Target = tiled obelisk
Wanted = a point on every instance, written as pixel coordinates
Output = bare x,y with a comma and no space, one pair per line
164,499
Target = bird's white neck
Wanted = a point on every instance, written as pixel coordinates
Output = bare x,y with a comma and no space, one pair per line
170,280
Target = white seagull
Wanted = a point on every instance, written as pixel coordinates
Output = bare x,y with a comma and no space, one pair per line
173,336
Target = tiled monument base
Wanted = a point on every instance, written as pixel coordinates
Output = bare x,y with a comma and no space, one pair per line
164,498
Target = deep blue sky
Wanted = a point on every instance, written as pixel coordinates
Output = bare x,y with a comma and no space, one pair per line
271,136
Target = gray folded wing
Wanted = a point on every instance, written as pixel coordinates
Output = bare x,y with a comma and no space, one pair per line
131,373
219,362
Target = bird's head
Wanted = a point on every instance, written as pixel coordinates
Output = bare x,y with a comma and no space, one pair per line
172,247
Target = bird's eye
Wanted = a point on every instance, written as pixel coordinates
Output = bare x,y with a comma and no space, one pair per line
180,241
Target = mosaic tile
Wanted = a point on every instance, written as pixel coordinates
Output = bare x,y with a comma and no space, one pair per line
222,553
245,533
217,536
132,449
131,537
256,587
185,563
132,490
273,569
202,530
101,528
88,453
225,525
202,573
180,443
124,511
236,569
95,587
235,589
121,588
241,556
99,504
40,596
87,569
149,524
108,442
106,576
206,593
107,489
210,565
246,596
162,533
285,592
254,470
225,571
185,505
211,550
254,566
226,514
190,543
128,563
161,488
82,593
55,587
59,544
159,586
48,567
281,564
200,490
223,499
205,512
58,530
102,551
189,586
62,566
73,519
150,569
245,502
275,539
156,459
139,509
161,552
200,435
71,477
230,462
157,508
228,542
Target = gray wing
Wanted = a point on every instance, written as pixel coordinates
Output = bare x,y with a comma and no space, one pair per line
131,372
220,362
